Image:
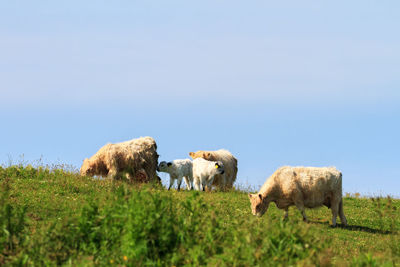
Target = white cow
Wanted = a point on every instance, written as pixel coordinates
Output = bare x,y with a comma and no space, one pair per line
304,187
225,181
204,172
178,169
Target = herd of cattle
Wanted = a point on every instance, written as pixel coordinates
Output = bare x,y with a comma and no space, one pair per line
137,161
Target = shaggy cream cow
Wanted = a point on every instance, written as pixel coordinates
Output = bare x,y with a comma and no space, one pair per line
304,187
226,180
178,169
204,172
135,159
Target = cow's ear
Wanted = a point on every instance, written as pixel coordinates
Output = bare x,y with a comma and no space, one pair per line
169,164
250,195
191,154
208,155
260,196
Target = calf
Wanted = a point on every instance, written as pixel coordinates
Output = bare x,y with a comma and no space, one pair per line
204,172
178,169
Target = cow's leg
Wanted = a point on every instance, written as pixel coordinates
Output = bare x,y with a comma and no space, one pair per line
209,183
171,181
187,182
112,173
341,213
129,177
298,201
179,182
112,167
204,183
335,209
196,183
223,182
303,213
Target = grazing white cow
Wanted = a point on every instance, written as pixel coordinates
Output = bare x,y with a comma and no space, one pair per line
304,187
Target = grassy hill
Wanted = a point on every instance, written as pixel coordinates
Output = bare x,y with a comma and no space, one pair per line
56,217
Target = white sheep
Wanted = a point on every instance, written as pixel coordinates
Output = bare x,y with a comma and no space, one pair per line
178,169
204,172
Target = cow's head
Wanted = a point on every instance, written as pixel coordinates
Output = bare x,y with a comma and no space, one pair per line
87,168
259,204
164,166
219,166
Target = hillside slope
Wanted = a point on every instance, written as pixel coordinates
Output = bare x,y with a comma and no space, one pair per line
56,217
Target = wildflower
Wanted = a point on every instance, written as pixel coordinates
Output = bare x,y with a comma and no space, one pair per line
125,258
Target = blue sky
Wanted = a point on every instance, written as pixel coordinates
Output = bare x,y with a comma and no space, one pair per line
310,83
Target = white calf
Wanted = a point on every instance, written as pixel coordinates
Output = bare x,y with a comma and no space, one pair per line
178,169
204,172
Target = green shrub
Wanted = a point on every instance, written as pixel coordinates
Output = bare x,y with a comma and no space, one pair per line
149,227
12,224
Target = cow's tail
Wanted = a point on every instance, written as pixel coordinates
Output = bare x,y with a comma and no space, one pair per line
341,212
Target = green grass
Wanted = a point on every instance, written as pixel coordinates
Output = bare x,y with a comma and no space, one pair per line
56,217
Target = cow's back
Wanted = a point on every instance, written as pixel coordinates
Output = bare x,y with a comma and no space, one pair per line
230,165
316,185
